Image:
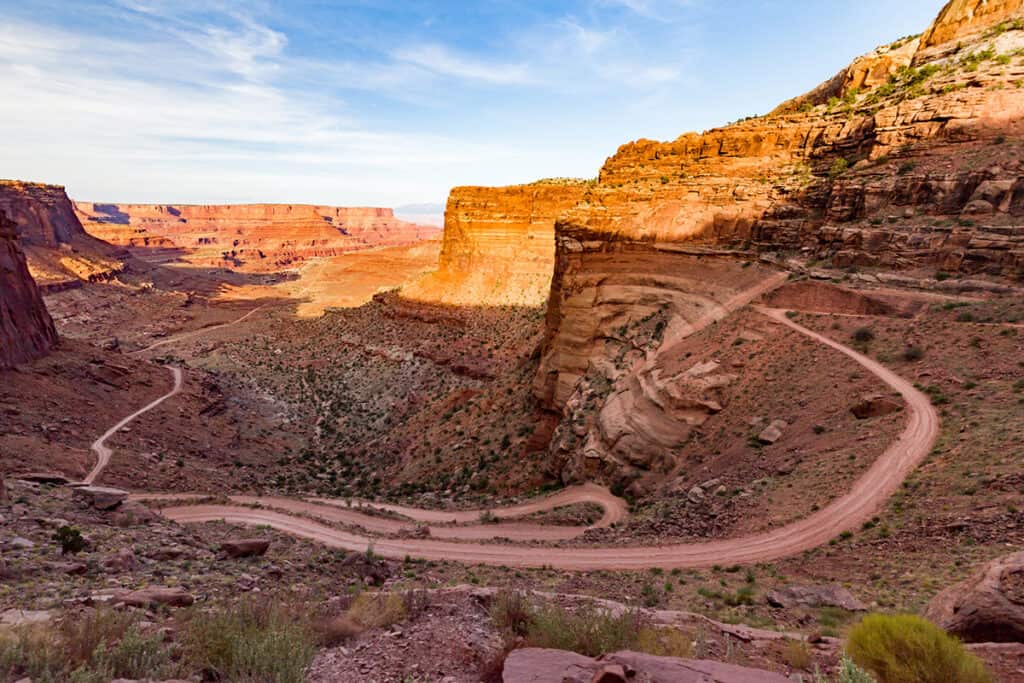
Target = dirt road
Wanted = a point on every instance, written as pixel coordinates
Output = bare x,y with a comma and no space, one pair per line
99,446
462,525
848,512
195,333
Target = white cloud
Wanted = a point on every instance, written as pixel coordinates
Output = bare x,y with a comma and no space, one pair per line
441,60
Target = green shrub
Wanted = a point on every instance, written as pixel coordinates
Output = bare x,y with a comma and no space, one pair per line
863,335
255,642
908,649
70,539
511,611
838,168
378,610
589,630
96,647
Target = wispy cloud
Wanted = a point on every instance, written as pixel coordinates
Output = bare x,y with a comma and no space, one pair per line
446,62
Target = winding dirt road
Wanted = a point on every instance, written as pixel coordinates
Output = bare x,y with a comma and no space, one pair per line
99,446
847,512
174,339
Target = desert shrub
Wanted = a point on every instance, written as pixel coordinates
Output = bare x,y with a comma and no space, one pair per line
254,642
664,642
908,649
913,353
95,647
70,540
863,335
589,631
796,654
335,630
839,167
378,610
511,611
848,672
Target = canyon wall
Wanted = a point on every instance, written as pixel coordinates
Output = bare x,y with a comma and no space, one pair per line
26,329
248,237
911,159
499,244
58,248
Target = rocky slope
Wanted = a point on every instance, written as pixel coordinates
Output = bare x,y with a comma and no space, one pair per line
249,237
59,250
498,244
26,330
908,160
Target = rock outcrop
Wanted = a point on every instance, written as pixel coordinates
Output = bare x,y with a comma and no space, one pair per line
537,665
248,237
988,606
962,18
909,159
59,250
499,244
26,329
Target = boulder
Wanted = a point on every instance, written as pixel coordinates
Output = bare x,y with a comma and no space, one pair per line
122,561
100,497
158,595
45,478
830,595
20,617
537,665
875,405
245,547
773,432
986,607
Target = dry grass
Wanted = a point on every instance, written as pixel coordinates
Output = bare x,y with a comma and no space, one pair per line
378,610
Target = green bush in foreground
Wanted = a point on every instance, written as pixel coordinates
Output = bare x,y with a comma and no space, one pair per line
253,642
908,649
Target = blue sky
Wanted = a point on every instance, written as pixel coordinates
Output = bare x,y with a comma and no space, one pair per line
366,102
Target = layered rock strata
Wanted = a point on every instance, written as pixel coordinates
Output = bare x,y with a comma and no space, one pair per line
248,237
26,329
499,244
909,159
58,248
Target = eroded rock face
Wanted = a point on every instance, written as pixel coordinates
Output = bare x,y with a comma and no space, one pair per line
58,249
498,244
249,237
537,665
26,329
909,173
988,606
961,18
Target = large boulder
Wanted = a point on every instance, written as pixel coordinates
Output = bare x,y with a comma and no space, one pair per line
988,606
537,665
830,595
874,406
100,497
245,547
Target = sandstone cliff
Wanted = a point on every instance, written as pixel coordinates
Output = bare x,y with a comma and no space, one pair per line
499,244
910,159
250,237
59,250
26,330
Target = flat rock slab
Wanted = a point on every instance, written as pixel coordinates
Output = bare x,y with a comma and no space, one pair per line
537,665
44,478
157,595
19,617
100,497
245,547
830,595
